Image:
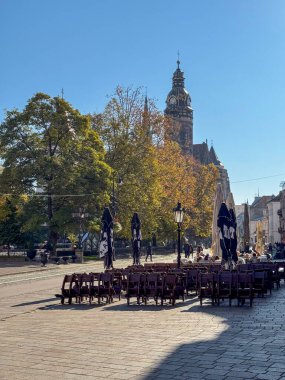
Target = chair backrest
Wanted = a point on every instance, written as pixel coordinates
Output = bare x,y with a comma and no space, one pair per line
68,280
225,278
152,277
206,279
245,280
106,278
170,280
244,267
134,277
257,274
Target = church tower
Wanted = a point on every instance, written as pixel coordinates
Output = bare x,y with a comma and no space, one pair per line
178,108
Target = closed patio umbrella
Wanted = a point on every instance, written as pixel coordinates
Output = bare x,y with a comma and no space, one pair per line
230,201
136,238
106,247
223,223
246,230
233,236
219,197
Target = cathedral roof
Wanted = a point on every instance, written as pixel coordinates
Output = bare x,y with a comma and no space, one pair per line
201,153
213,157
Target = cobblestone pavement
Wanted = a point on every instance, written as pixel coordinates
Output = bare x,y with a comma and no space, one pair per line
41,339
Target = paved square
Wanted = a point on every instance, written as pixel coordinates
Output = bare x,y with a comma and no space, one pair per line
41,339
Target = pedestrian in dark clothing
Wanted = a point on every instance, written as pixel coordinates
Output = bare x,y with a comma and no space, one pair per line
44,258
149,252
191,250
187,250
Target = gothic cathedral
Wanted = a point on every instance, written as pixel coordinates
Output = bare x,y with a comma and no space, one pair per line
180,112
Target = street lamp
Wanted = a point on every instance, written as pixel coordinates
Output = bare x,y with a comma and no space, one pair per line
81,215
178,217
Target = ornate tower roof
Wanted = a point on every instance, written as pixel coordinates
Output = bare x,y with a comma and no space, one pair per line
178,101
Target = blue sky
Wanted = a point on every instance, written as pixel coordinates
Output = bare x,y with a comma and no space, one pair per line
232,54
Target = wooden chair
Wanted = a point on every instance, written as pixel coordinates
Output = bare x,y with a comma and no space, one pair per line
134,287
172,288
206,286
192,281
224,287
106,289
117,283
261,282
245,288
94,289
85,286
151,288
70,288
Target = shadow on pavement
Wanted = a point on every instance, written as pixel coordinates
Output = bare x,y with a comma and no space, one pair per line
235,343
73,306
151,306
34,302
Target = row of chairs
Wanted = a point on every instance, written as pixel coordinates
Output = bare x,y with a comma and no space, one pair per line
80,286
170,285
141,286
233,285
163,286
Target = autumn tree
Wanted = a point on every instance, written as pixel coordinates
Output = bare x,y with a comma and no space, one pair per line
51,153
184,179
126,126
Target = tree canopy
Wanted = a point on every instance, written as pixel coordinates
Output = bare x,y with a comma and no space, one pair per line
51,153
57,161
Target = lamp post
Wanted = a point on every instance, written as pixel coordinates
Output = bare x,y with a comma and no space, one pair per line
81,215
178,217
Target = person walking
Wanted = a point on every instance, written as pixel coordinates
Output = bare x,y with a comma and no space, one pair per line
45,254
191,251
187,250
149,252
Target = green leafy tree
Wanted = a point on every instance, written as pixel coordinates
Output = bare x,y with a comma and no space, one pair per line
10,226
51,153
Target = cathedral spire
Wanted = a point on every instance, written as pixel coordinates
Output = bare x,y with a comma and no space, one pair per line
145,104
178,108
146,118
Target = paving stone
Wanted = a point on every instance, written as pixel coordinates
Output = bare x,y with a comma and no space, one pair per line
137,342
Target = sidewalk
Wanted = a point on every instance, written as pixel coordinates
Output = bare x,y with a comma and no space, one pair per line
10,267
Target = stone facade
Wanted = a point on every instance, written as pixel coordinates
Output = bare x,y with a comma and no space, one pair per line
273,220
281,214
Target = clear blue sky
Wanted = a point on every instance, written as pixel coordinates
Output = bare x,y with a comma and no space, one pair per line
232,54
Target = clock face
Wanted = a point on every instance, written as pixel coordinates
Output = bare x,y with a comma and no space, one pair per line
172,100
